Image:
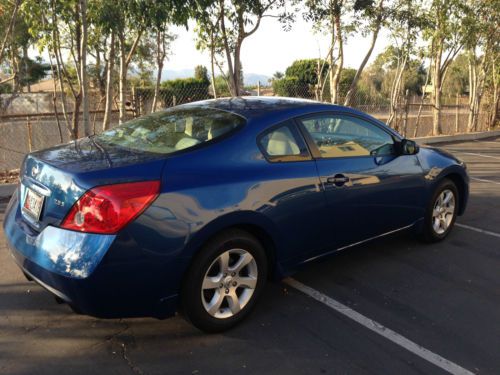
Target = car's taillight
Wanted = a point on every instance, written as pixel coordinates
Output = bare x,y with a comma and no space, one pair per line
107,209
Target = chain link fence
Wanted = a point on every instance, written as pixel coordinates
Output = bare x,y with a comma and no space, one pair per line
34,121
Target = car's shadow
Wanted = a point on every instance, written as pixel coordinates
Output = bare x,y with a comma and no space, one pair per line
286,327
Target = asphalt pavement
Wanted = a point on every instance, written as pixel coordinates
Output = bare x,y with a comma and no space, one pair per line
393,306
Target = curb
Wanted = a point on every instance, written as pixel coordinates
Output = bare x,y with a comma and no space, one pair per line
457,137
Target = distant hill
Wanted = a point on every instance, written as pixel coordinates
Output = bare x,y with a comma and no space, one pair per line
250,79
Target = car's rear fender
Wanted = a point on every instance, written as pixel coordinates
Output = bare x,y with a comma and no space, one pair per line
256,224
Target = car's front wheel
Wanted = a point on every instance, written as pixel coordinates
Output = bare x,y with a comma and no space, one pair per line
224,281
441,212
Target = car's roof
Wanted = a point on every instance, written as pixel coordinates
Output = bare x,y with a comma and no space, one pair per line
257,106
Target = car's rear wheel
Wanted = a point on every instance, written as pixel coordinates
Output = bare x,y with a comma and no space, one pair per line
224,281
441,212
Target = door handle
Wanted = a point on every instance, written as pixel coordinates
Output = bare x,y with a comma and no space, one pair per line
337,180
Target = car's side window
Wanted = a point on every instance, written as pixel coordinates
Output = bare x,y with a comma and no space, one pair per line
339,136
283,143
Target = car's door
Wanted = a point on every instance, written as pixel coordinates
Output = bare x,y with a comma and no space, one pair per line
291,190
370,188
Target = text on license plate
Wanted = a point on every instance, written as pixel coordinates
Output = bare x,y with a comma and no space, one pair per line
33,203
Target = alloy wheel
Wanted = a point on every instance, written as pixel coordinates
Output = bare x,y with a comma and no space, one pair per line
229,283
443,212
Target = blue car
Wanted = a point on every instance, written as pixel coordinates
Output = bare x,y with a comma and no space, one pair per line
193,208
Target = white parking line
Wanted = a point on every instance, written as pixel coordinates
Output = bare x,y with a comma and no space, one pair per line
372,325
484,180
483,231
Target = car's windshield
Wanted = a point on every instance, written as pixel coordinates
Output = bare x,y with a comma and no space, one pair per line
172,130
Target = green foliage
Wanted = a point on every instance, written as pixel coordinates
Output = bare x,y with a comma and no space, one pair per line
380,75
306,71
346,77
32,71
184,90
5,89
291,87
277,75
201,73
221,87
457,81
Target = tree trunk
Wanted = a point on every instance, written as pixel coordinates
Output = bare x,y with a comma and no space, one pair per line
232,84
76,114
122,86
59,68
331,62
54,98
83,70
160,58
354,84
352,88
9,27
395,93
436,90
427,75
109,84
495,96
212,65
124,63
471,121
237,69
335,78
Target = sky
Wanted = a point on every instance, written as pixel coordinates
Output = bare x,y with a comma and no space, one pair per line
271,49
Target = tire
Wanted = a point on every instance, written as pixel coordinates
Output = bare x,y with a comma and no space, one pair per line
432,231
221,288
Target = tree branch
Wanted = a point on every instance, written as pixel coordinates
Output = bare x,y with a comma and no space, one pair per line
9,28
133,48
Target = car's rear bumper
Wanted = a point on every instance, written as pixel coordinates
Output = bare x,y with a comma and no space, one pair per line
95,274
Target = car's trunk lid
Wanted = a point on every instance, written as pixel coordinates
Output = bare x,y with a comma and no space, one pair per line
60,175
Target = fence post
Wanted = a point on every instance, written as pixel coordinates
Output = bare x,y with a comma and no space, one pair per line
456,113
28,127
258,88
135,107
407,108
174,101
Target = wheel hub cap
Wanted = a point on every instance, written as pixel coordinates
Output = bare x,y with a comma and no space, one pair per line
229,283
443,212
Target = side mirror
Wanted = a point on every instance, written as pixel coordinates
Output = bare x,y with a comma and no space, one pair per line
409,147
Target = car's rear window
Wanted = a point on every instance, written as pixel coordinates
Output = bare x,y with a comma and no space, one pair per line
172,130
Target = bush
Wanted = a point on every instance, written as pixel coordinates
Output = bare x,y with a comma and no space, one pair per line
306,70
221,87
291,87
184,90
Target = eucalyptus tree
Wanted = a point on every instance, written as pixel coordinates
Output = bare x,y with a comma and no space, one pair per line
208,38
103,19
57,26
236,20
160,15
482,43
376,14
446,39
407,19
7,28
341,18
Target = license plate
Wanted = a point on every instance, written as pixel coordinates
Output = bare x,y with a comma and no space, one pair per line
33,203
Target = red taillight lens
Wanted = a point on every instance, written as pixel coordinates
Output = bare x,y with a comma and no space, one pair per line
107,209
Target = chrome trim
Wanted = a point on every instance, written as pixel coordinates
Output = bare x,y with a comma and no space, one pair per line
35,185
359,242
